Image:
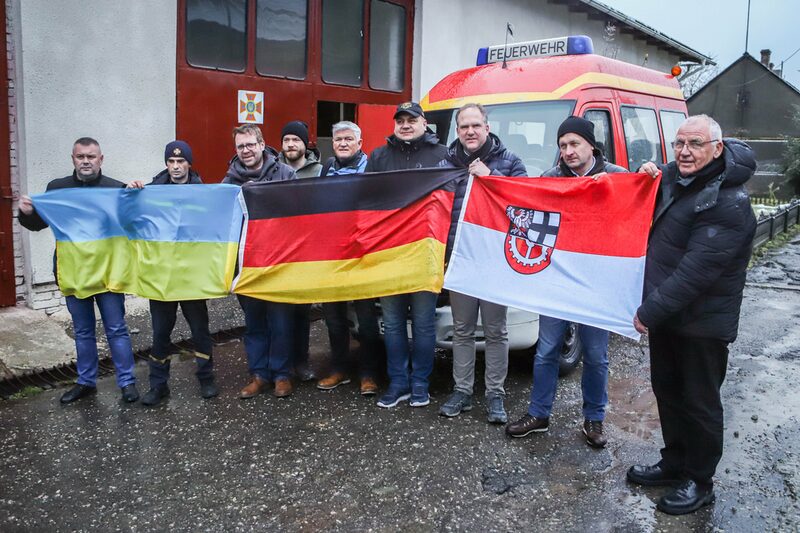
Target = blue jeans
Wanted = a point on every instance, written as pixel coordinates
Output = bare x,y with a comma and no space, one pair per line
395,316
112,311
268,337
594,382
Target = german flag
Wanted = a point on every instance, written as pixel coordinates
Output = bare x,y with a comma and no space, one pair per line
344,238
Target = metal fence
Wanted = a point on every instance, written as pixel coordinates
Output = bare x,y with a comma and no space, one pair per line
770,226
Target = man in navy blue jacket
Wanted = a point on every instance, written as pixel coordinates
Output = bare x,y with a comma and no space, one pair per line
481,153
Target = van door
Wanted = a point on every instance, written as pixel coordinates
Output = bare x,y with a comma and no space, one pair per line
602,115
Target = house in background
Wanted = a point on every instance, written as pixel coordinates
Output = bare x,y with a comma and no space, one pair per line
752,102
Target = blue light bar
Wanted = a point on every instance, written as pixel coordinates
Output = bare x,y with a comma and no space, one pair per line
560,46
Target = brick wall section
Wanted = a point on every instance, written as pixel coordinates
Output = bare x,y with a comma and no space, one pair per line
44,297
19,270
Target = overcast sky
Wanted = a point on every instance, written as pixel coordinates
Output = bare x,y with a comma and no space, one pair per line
716,28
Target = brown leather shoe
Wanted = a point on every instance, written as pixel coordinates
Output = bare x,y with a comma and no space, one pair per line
283,388
593,430
368,387
254,388
333,381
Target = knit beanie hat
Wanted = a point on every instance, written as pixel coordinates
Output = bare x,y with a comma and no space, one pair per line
296,127
579,126
178,149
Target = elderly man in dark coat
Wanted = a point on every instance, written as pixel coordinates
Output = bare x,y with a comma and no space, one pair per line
700,245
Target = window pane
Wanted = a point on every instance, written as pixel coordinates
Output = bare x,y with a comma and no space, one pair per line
528,129
670,122
602,131
387,46
641,136
342,41
281,38
216,34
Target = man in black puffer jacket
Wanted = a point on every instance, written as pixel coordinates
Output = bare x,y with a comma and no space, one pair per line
700,245
413,145
579,156
163,314
268,325
482,154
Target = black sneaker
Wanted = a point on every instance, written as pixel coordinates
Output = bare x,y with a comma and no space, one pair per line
77,392
593,429
129,393
458,402
154,396
208,389
526,425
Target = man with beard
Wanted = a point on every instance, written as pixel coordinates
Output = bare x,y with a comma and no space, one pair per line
305,162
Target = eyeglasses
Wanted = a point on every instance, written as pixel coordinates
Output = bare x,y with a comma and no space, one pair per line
693,145
246,146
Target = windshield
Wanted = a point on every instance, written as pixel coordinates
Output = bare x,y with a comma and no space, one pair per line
528,129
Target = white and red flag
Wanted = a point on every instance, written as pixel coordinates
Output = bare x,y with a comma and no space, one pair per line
569,248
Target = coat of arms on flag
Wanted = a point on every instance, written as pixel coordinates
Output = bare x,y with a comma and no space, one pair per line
251,107
531,238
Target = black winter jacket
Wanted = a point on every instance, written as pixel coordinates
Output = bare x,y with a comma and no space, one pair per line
271,170
163,178
424,152
34,222
700,245
501,161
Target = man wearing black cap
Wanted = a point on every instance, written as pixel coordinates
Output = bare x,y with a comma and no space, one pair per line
178,158
295,151
305,162
413,145
579,157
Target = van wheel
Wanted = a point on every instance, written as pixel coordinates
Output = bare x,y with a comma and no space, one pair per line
571,351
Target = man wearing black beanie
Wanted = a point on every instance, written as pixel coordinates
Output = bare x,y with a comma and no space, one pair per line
580,156
178,159
295,151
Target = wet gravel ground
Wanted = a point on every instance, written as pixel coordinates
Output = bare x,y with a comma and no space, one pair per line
335,461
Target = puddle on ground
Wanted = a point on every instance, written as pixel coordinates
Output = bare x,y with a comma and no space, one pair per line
633,407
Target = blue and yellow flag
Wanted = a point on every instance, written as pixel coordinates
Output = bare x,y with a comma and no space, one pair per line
163,242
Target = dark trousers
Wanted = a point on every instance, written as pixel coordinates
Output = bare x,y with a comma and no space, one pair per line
302,329
687,374
267,337
163,315
339,335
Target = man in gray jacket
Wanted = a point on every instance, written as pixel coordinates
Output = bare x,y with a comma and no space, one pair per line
268,325
580,156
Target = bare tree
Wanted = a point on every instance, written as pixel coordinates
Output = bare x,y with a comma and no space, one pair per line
695,76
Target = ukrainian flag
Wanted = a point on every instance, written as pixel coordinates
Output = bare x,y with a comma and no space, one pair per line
163,242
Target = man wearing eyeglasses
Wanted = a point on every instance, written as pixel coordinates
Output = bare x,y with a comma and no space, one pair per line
700,245
268,325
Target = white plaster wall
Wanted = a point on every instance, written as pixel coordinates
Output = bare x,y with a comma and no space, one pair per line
97,68
453,31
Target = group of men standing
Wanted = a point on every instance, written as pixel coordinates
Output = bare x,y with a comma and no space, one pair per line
699,247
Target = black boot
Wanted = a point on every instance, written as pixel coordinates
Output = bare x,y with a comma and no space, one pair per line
155,395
